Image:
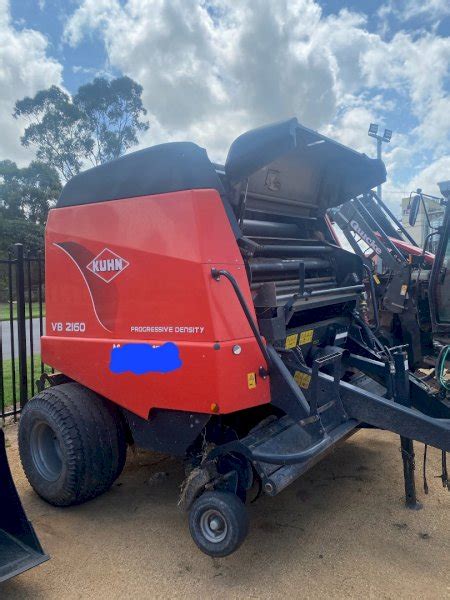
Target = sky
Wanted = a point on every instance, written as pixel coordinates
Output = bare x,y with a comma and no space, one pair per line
212,69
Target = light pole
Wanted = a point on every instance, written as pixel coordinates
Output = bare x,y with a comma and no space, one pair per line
386,137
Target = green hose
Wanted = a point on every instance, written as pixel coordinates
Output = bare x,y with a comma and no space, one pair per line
441,368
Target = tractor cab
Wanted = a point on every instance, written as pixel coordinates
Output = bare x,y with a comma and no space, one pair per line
440,276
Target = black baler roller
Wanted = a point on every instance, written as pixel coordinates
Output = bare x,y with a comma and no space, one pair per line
270,269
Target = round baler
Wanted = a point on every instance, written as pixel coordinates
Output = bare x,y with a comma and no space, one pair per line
208,312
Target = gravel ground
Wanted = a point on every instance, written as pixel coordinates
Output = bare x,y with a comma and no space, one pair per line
339,532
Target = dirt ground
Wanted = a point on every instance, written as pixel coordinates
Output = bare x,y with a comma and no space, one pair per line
339,532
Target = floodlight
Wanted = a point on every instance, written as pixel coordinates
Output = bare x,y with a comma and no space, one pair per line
387,135
373,132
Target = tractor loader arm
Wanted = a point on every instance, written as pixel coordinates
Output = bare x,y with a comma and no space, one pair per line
359,227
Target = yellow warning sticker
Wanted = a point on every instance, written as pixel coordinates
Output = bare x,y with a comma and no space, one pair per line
291,341
403,290
376,279
306,337
251,381
302,379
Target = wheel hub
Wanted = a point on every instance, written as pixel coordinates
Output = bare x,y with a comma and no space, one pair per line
213,526
46,451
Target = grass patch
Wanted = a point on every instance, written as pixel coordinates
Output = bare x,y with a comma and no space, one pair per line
4,310
8,379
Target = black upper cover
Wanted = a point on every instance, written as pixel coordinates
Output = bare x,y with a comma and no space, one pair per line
287,160
282,160
156,170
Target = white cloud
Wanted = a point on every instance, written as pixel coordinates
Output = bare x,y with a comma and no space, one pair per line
419,69
91,14
427,178
25,68
434,128
430,10
211,69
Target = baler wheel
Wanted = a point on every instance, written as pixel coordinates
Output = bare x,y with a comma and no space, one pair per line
218,522
72,444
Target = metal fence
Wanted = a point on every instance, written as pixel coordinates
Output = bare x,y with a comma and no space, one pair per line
22,322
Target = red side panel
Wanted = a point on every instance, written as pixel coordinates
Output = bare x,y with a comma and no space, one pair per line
139,270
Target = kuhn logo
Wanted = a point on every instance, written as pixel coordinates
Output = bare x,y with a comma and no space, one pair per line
369,241
107,265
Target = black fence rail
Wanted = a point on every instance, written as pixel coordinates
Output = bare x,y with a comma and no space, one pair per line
22,322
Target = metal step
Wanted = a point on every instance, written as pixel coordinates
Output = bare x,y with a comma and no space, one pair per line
283,436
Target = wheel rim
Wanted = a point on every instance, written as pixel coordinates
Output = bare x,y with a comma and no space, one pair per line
213,526
46,451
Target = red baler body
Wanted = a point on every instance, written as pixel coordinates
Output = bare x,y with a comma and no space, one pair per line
139,270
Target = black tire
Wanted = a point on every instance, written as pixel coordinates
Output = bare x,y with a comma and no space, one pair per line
72,444
231,525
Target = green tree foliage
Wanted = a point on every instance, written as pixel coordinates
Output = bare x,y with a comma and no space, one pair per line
10,197
98,124
14,231
27,193
55,128
112,112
